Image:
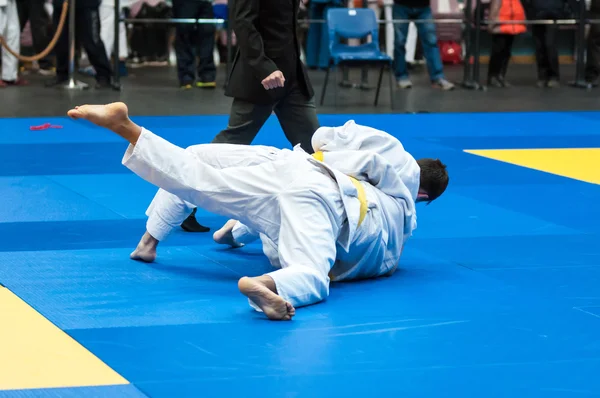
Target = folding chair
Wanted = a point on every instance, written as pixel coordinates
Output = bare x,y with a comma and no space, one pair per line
356,23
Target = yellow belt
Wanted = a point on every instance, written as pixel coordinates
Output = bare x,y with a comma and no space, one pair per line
362,196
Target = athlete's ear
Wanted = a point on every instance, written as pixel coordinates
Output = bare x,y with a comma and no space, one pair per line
422,197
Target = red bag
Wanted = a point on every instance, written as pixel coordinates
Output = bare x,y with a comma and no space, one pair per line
451,52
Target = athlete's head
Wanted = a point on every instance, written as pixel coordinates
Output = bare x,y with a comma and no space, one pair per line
434,179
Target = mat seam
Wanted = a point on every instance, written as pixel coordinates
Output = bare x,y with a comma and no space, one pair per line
49,178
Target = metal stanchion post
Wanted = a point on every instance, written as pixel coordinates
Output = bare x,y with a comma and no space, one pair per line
116,72
477,45
467,76
72,84
389,26
580,43
229,52
468,81
229,44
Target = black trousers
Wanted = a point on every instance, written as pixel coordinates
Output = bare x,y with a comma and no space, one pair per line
150,42
297,116
194,41
546,52
39,21
592,68
501,53
87,33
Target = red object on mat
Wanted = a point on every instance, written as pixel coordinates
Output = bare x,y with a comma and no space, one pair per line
45,126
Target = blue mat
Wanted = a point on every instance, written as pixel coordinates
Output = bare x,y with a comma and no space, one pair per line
496,295
126,391
27,199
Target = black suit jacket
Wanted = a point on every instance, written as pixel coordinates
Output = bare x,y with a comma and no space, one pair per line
267,41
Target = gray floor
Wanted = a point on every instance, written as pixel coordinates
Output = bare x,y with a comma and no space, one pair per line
154,91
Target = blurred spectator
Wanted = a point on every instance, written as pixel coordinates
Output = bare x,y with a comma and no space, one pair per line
150,42
502,37
592,69
317,40
376,6
34,12
195,44
87,21
10,30
221,10
545,36
414,49
416,10
107,32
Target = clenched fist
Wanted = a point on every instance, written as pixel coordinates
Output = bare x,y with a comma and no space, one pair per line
274,80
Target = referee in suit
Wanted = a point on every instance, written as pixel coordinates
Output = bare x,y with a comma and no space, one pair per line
267,76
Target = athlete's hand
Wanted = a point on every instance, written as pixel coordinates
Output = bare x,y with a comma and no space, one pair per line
274,80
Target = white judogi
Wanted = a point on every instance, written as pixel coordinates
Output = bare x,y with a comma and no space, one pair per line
375,157
168,211
305,211
11,31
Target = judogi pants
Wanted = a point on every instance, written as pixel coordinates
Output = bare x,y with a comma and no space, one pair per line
167,211
282,195
10,29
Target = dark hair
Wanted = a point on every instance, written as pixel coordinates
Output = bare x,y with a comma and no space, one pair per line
434,177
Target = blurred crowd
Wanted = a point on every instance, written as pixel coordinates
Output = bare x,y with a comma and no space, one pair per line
28,27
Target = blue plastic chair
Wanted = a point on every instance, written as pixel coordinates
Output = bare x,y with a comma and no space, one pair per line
356,23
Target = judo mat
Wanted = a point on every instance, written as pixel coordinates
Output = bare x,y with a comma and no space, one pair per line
496,296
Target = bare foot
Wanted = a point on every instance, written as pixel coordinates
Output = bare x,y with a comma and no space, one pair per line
113,116
274,307
146,249
102,115
224,236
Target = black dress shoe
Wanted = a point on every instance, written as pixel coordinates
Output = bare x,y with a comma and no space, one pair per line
191,224
58,81
504,82
102,84
495,81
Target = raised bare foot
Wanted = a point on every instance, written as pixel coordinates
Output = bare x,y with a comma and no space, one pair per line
146,249
273,305
109,116
112,116
224,236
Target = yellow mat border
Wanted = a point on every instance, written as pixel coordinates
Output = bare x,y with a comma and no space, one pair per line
35,353
582,164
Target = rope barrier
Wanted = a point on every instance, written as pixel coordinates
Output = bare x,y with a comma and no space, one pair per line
61,25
